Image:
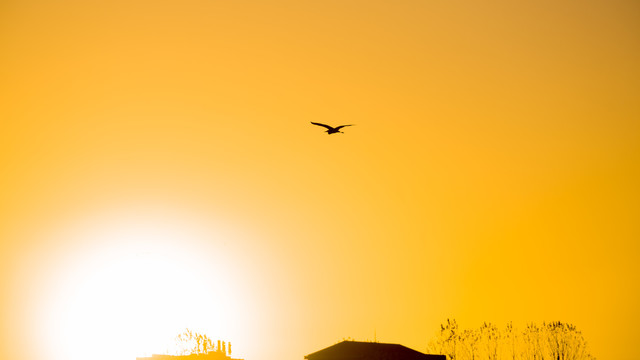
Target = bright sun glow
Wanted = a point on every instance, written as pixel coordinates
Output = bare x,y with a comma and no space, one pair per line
133,285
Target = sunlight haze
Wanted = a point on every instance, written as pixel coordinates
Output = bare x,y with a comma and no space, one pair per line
160,172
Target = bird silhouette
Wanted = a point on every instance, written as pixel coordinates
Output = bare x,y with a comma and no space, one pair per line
331,129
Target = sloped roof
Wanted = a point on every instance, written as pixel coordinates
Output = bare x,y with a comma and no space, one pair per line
356,350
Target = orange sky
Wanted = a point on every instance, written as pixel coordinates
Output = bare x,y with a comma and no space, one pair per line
159,172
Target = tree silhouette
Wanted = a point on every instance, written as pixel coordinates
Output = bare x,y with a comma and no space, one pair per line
565,341
469,340
191,342
446,342
551,341
511,341
490,336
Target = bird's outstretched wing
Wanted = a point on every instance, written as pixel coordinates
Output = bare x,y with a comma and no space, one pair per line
323,125
341,126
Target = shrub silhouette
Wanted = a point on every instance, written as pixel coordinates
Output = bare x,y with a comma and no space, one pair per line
550,341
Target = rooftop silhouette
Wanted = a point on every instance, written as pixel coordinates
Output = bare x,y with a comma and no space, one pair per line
355,350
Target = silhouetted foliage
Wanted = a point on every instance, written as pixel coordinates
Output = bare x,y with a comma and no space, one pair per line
190,342
551,341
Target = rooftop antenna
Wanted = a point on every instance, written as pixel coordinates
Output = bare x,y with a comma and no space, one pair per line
375,337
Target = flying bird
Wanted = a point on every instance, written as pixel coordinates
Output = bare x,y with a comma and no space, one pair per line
331,129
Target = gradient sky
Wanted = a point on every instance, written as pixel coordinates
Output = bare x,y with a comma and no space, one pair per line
158,171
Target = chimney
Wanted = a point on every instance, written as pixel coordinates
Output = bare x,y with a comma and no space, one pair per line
229,347
219,347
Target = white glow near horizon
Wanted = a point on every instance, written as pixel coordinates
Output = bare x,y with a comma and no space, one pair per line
127,288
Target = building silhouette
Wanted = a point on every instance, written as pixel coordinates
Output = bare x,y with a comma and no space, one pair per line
222,353
357,350
212,355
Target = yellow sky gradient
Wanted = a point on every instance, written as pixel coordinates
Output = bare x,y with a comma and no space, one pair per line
158,171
